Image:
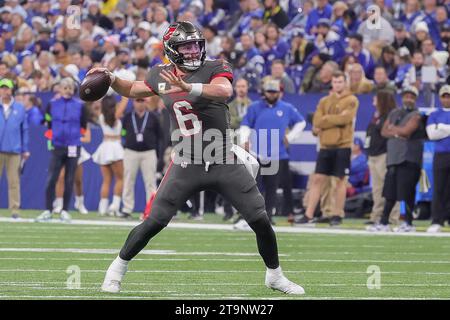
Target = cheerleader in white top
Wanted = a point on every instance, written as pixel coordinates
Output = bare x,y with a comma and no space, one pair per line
109,154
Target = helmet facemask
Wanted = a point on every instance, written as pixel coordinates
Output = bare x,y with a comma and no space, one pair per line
190,61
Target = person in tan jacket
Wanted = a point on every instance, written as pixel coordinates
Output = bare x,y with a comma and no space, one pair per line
334,123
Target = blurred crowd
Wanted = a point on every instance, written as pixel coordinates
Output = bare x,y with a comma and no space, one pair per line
384,43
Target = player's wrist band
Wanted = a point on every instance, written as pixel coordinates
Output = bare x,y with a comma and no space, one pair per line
197,89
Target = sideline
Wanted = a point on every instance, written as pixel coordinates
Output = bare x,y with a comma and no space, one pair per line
229,227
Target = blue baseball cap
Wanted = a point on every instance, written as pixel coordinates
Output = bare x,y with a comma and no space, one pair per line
256,15
54,12
324,22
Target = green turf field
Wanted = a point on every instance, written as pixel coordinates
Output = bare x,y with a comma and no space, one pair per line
216,264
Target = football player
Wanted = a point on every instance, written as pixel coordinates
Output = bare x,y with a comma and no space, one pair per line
195,91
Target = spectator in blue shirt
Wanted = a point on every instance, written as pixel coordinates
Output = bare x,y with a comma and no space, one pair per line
433,27
249,9
349,23
362,55
328,41
271,118
7,35
214,15
251,54
120,27
438,129
323,10
32,106
359,169
278,47
412,14
441,17
403,66
13,141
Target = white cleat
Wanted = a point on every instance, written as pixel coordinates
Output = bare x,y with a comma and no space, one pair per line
79,205
111,286
44,216
57,210
378,227
434,228
82,209
112,210
65,216
114,275
283,284
404,227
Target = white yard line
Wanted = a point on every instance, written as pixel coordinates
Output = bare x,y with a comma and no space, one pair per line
227,227
236,260
76,250
116,251
95,285
229,271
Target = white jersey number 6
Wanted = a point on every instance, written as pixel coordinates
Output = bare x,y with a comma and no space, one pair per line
182,118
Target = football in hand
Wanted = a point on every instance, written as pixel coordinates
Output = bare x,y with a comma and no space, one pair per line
94,86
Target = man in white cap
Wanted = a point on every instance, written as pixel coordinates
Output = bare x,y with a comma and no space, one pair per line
160,23
144,32
438,129
421,32
71,71
16,7
110,46
265,116
120,27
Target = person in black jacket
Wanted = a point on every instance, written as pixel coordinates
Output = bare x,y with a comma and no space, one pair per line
376,145
274,13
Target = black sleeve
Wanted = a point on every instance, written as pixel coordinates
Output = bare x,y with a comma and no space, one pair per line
84,117
310,47
281,19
